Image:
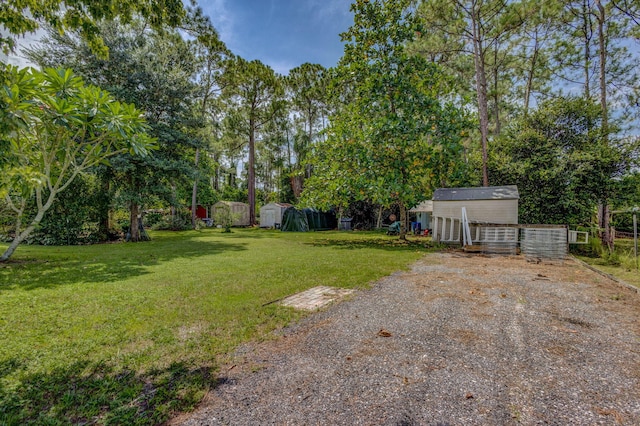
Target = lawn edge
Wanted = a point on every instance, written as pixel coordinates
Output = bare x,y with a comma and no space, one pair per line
607,275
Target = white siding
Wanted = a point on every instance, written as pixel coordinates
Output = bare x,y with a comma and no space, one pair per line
490,211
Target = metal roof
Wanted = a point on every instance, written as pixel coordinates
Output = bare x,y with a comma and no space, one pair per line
508,192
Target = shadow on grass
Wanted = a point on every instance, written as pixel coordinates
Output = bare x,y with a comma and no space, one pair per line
97,394
382,243
104,263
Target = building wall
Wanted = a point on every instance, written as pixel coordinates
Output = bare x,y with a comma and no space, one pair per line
490,211
240,212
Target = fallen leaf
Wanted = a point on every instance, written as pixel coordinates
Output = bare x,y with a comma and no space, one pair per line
384,333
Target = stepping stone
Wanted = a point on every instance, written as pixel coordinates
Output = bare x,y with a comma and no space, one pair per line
316,297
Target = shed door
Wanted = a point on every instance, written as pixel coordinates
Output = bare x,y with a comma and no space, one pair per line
269,218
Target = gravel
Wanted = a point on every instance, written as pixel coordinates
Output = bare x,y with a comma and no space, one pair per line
457,340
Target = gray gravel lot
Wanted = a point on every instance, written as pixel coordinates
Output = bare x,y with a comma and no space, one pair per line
457,340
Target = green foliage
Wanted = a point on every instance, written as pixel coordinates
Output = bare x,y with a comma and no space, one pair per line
173,223
58,128
72,219
558,159
19,17
155,70
224,218
395,137
254,96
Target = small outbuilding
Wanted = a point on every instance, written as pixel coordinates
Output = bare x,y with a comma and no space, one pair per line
271,214
239,211
423,213
309,219
201,212
488,205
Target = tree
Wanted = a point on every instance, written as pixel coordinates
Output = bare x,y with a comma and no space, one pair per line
19,17
59,128
211,54
479,29
307,92
153,70
254,95
556,157
394,131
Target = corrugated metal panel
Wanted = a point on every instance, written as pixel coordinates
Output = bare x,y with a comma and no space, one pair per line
544,243
488,211
509,192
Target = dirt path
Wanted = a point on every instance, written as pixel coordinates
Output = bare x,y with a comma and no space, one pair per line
458,340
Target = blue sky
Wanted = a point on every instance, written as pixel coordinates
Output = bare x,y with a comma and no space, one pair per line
282,33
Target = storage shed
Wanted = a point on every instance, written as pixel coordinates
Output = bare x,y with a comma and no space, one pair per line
271,214
423,213
201,212
492,204
240,211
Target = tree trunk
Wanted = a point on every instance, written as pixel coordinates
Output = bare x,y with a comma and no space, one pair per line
606,237
603,63
17,240
194,193
496,94
252,173
22,235
532,68
403,222
587,48
481,89
134,230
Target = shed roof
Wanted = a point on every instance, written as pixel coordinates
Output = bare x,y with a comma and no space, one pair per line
281,205
423,207
231,203
508,192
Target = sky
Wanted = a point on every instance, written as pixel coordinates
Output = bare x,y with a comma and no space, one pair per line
282,33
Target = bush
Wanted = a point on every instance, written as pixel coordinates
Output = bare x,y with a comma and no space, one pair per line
152,218
172,223
224,218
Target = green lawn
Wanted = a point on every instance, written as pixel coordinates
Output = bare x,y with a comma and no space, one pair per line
622,266
131,333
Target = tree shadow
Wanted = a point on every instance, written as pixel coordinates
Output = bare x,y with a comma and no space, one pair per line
380,243
106,262
90,393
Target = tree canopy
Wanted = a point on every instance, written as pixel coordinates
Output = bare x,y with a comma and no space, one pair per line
59,128
395,130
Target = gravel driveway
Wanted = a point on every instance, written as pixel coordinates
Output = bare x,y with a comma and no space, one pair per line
457,340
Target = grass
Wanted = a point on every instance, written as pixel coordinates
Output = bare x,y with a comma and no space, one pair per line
133,333
621,265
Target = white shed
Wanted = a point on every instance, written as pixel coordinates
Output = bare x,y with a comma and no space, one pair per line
271,214
423,213
492,204
240,211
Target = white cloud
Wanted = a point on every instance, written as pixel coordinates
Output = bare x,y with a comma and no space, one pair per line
280,66
329,10
16,57
222,19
